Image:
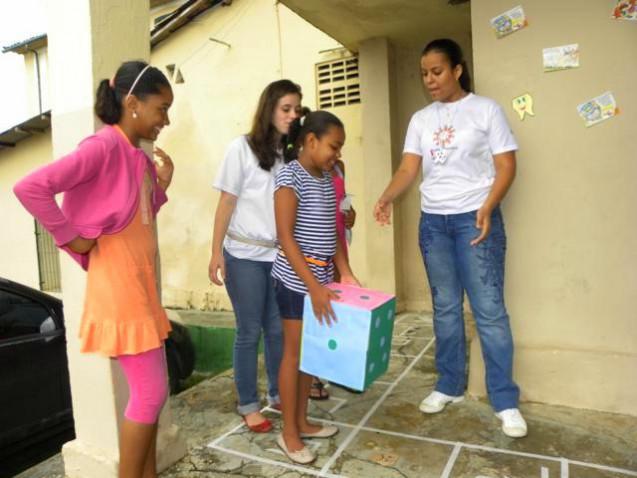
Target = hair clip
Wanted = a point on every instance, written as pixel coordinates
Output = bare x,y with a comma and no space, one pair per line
302,120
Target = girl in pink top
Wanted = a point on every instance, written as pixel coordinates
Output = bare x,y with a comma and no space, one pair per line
112,192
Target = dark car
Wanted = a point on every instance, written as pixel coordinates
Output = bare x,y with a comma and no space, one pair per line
36,415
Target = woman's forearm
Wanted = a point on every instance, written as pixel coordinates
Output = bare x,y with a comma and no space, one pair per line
225,209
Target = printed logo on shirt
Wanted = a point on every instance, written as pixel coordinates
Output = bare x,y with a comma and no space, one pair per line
442,137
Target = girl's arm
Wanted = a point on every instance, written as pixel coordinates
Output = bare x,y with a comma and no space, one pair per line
225,208
37,191
350,215
505,165
285,204
164,168
407,172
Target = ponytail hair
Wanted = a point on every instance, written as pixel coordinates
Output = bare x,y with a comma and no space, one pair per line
315,122
453,52
262,136
129,80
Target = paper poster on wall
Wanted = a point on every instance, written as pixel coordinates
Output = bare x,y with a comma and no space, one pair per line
562,57
625,10
598,109
523,105
509,22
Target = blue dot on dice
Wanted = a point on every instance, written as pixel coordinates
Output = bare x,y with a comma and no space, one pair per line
385,357
371,366
332,344
382,341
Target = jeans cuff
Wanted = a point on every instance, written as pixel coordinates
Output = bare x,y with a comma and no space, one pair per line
504,406
452,392
248,408
276,400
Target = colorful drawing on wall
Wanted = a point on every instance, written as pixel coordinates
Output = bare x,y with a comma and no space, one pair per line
562,57
625,10
523,105
598,109
509,22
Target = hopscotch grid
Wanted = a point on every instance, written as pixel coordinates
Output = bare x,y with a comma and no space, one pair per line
452,460
451,443
602,467
564,462
282,464
457,446
563,468
371,411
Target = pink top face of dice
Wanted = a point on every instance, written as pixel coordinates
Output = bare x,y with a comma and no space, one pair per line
358,297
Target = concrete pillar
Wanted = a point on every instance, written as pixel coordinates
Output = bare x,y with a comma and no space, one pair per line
88,39
376,108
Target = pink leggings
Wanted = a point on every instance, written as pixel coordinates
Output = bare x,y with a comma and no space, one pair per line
147,384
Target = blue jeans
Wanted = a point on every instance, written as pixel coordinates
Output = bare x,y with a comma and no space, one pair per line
251,292
454,266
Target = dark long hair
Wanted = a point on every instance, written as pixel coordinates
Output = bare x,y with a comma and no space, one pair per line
262,136
109,97
316,122
453,52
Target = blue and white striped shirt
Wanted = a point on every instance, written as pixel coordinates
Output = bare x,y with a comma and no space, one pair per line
315,228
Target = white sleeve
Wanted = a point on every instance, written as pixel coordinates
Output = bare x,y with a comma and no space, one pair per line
501,137
230,175
412,139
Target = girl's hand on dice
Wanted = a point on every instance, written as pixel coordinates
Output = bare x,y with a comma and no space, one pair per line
350,280
321,305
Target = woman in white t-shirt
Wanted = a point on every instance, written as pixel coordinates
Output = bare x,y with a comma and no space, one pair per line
466,150
244,244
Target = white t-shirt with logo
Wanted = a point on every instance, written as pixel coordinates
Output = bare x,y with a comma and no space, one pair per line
253,216
457,142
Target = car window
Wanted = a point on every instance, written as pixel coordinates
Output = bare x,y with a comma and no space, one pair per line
21,316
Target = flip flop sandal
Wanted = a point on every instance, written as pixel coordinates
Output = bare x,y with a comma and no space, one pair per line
318,392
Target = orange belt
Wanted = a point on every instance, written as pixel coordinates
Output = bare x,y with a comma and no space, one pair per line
310,260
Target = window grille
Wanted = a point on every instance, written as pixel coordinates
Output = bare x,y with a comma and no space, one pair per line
337,83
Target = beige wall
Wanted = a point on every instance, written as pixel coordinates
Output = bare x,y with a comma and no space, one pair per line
19,259
571,263
215,104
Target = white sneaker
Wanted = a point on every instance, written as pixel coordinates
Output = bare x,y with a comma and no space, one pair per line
436,401
513,423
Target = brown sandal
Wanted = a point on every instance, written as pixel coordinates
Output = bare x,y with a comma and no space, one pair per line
318,391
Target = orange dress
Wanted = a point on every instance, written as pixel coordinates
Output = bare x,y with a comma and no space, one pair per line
122,310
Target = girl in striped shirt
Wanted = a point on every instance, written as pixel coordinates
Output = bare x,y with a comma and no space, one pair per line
305,210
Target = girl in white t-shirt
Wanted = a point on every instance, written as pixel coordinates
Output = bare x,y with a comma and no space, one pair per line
244,244
466,150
